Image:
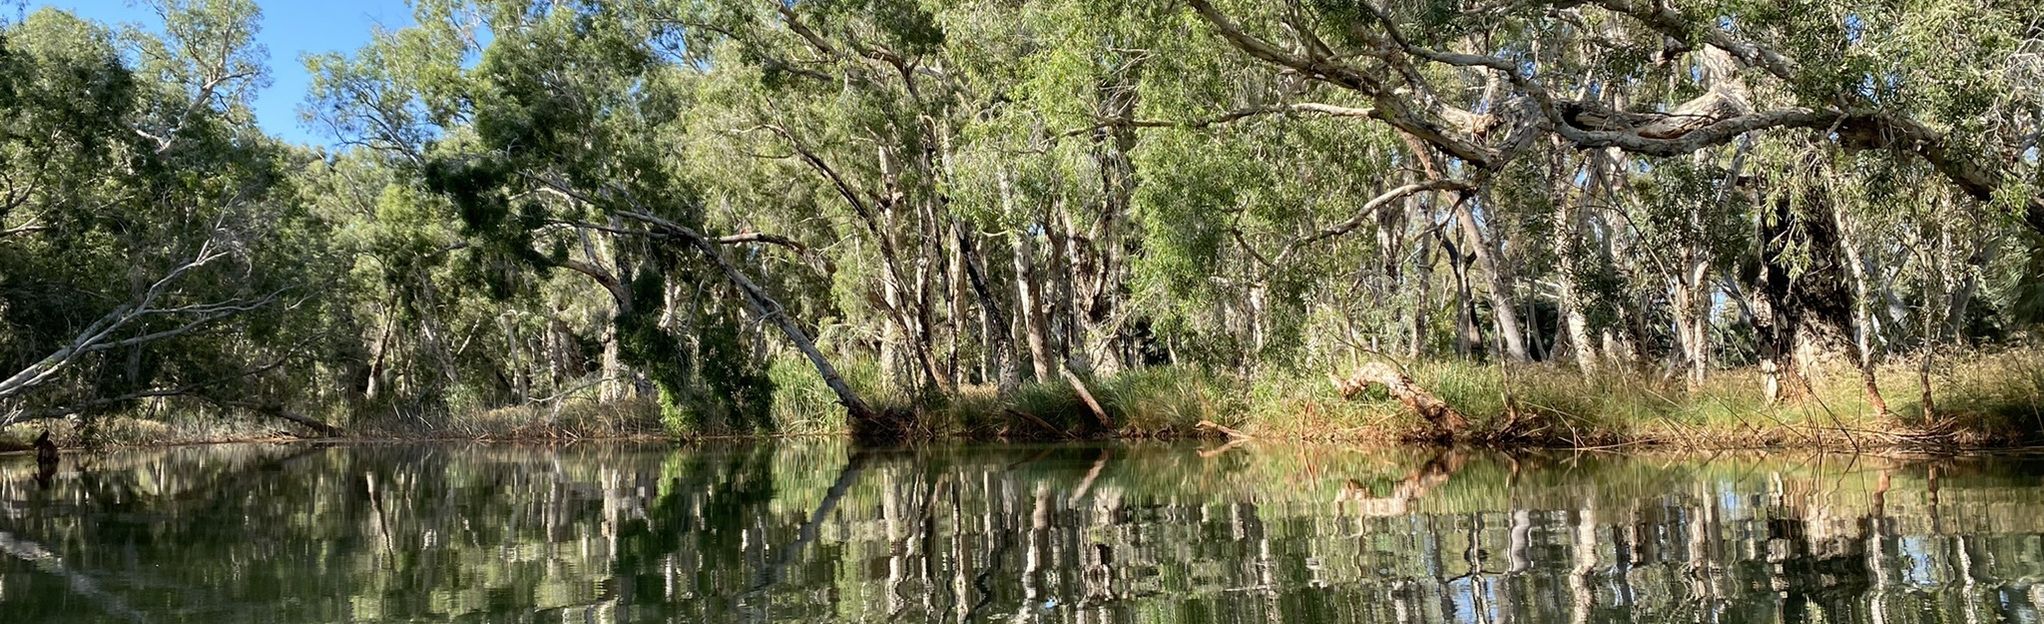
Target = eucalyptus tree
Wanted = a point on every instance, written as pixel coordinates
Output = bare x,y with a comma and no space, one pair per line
149,247
1638,85
560,144
1941,82
848,109
945,157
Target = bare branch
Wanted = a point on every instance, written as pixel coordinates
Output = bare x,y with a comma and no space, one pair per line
99,335
1664,18
1370,207
1391,108
1330,110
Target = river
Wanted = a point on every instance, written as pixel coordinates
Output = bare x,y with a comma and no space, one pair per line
811,530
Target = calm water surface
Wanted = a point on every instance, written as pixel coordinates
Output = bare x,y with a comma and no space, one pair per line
1144,533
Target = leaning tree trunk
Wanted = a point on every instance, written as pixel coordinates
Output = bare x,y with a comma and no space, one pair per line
765,308
999,339
1866,345
1504,304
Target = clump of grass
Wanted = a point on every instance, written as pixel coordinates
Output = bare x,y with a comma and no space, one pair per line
1168,400
578,415
1303,406
1046,409
1164,401
802,403
1991,396
1530,404
566,418
1982,398
977,411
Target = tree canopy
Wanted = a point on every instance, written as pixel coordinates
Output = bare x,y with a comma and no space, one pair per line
714,205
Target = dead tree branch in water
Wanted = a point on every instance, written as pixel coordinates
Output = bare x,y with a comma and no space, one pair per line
49,563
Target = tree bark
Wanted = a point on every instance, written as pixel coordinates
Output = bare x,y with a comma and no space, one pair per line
999,339
1423,273
1503,301
1064,318
1436,412
1028,291
1468,336
1799,309
1866,345
955,319
379,352
1568,251
1691,300
1118,97
1077,327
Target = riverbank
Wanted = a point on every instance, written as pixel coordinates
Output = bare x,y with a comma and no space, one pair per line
1979,400
571,420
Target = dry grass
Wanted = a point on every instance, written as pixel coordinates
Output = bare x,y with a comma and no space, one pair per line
119,431
1977,399
567,419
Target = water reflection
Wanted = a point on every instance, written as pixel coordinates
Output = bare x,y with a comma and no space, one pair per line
1125,533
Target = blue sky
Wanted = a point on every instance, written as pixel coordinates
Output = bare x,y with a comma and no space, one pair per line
290,29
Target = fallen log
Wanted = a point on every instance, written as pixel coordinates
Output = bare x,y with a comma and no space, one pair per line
1099,415
1232,433
1045,425
1431,408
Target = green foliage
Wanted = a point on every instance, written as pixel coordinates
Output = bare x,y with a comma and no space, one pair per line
717,388
150,238
955,203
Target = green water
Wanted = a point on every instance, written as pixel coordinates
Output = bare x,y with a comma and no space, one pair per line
813,531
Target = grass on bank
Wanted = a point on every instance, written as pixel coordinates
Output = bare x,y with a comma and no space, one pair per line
569,418
127,430
1981,398
575,416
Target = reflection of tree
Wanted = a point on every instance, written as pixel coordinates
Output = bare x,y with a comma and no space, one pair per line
49,563
698,525
790,531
